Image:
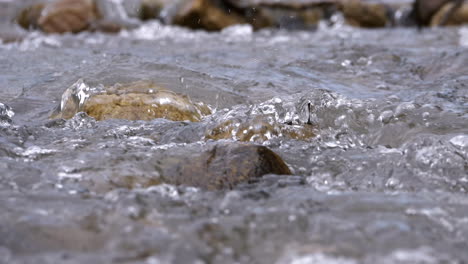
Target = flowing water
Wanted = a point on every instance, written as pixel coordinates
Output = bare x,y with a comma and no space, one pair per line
384,180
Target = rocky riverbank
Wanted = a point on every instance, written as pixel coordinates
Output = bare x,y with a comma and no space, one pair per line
61,16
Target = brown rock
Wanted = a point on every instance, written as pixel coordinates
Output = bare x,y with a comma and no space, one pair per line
137,106
205,14
451,15
141,100
258,129
144,101
67,16
362,14
423,10
222,166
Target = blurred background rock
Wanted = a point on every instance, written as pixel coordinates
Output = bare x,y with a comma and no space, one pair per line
214,15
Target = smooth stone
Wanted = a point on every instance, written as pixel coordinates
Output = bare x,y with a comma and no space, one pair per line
258,129
222,166
141,100
137,106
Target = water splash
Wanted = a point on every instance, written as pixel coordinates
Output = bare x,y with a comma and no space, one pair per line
238,33
34,41
6,113
463,36
154,30
73,100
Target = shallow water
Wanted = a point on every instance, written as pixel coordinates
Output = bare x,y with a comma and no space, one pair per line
384,181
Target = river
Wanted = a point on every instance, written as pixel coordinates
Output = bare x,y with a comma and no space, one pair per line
384,180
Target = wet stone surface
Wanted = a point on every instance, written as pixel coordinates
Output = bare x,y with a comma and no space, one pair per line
141,100
378,175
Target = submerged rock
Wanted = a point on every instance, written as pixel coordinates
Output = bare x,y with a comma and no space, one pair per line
258,129
141,100
222,165
209,166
